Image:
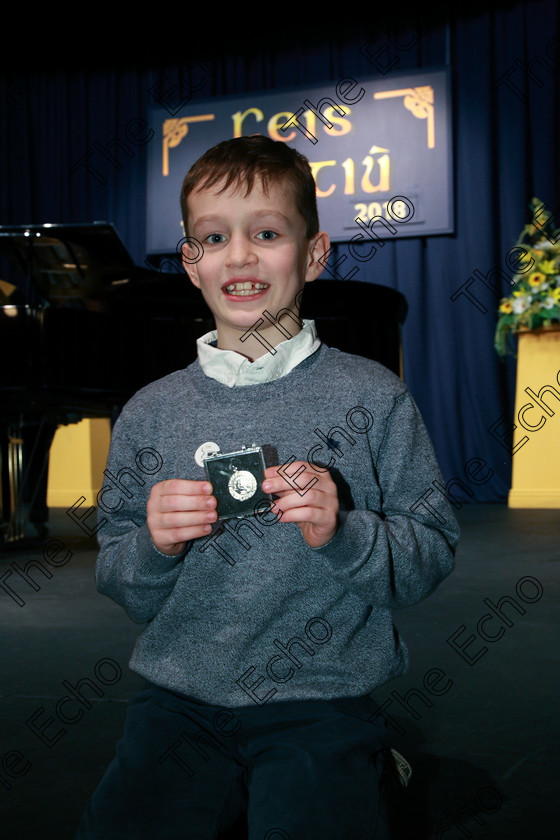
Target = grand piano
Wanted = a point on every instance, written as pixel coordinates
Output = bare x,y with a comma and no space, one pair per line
82,328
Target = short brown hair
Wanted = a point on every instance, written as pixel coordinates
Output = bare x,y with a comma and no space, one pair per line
242,159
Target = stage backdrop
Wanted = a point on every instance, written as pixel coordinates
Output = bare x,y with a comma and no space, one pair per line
76,141
378,148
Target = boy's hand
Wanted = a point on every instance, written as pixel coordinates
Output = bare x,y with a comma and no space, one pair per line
315,510
178,511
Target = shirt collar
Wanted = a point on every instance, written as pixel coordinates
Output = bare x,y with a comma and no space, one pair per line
231,368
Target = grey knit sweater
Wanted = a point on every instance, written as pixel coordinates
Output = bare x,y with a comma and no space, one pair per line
253,614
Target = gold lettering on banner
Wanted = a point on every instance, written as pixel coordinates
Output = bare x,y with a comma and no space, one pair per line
315,170
384,164
420,102
239,117
366,183
344,126
276,122
348,166
173,132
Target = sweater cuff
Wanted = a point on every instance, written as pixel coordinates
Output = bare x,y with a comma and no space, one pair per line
347,544
153,559
337,545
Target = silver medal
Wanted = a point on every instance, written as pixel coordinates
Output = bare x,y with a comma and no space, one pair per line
242,485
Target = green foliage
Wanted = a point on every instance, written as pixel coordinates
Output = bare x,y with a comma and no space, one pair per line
535,302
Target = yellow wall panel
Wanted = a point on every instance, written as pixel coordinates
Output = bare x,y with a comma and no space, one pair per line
536,464
77,460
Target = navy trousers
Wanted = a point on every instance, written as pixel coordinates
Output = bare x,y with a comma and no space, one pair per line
186,770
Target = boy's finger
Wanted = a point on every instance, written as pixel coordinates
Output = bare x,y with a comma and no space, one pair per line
185,519
298,475
186,503
182,487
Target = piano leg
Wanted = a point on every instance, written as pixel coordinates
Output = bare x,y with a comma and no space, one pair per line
16,529
13,525
37,442
24,454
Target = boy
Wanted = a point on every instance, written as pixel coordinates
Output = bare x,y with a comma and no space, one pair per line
265,634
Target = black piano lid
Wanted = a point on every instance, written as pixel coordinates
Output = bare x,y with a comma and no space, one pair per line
68,261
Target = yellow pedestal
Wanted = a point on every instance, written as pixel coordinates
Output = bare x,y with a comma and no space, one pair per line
536,462
77,459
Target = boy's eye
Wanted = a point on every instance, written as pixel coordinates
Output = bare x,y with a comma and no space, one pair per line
267,234
215,238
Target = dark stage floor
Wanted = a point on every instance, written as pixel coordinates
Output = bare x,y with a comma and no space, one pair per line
482,738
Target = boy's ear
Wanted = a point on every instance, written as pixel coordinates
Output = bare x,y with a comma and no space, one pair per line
189,264
318,247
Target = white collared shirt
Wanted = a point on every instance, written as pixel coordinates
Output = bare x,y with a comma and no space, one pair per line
231,368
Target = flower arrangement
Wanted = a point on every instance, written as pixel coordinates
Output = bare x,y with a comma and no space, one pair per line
536,300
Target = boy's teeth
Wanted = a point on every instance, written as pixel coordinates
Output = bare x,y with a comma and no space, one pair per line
246,288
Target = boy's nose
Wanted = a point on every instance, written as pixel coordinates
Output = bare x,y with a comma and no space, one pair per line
241,251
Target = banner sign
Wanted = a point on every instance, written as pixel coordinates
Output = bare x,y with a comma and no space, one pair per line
377,147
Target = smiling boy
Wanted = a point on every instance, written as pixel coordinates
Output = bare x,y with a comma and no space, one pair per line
294,630
256,256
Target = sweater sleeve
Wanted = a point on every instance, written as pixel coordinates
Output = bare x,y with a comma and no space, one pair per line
397,555
129,569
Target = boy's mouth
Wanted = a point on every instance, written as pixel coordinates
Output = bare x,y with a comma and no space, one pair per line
245,288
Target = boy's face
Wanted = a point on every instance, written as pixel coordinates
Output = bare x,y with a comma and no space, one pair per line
256,257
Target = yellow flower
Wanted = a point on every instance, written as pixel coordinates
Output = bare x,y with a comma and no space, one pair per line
536,279
555,293
519,293
548,267
525,258
506,307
